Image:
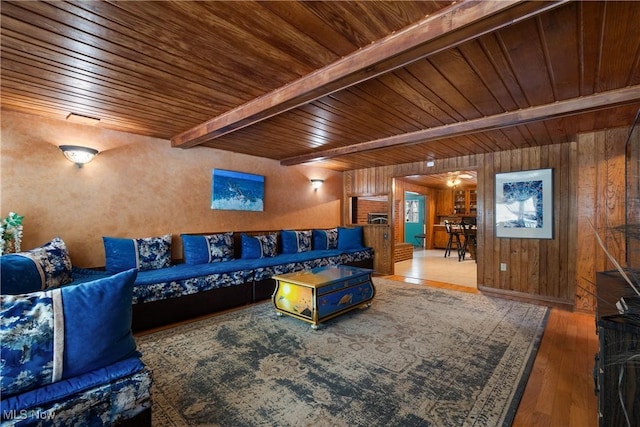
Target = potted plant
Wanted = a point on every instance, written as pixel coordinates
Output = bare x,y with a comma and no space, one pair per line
11,233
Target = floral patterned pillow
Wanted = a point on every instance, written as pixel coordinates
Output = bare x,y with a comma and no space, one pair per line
148,253
295,241
47,266
325,239
203,249
262,246
27,339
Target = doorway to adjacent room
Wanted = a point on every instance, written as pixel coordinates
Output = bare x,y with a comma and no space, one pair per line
419,206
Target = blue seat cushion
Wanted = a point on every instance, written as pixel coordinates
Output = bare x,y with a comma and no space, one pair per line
63,389
185,271
298,257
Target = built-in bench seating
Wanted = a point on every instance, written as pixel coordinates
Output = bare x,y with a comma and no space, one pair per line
192,288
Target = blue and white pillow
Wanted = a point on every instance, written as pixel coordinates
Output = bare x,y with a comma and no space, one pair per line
295,241
51,335
203,249
44,267
262,246
325,239
149,253
27,340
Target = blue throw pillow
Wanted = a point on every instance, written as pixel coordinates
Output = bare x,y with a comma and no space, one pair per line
295,241
60,333
349,238
325,239
203,249
47,266
97,323
149,253
262,246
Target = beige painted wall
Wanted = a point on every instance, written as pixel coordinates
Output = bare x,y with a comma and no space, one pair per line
139,186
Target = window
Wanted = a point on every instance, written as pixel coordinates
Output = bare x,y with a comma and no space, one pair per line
411,211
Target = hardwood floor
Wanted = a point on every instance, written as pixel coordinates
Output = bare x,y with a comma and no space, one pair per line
559,392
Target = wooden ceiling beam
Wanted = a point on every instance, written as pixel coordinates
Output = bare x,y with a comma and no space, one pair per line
570,107
458,23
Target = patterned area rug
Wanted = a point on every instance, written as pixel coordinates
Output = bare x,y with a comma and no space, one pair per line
417,357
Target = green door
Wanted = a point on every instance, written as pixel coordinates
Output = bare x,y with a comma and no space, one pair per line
414,212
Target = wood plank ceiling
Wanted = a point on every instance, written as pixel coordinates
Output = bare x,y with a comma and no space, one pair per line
345,84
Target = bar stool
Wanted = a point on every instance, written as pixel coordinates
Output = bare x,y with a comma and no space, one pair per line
454,238
470,244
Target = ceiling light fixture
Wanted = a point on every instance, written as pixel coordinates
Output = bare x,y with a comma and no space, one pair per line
78,154
453,182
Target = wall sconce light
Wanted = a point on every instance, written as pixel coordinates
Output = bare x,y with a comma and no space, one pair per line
77,154
317,183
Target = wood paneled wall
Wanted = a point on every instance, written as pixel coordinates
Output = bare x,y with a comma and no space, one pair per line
588,187
601,206
633,199
378,236
535,267
372,182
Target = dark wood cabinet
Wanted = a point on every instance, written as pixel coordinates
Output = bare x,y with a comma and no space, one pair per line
444,202
617,370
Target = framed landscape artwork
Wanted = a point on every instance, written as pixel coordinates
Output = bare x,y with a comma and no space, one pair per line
524,204
236,191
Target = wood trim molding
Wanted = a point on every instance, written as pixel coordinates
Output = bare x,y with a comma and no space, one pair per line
530,298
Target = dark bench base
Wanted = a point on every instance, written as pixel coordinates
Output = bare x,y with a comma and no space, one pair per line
165,312
143,419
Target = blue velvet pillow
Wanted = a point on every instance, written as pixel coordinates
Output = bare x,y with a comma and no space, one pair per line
349,238
295,241
203,249
262,246
47,336
325,239
44,267
97,323
149,253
